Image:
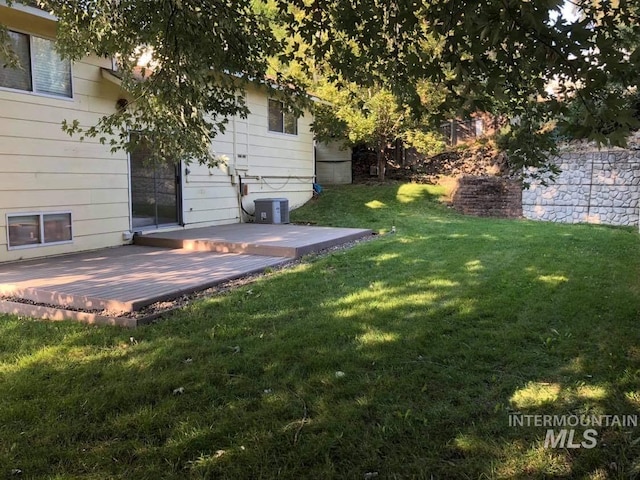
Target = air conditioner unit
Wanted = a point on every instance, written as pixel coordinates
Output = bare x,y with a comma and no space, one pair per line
271,210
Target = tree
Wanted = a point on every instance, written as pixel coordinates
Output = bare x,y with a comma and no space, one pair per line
598,109
372,116
199,54
496,55
490,54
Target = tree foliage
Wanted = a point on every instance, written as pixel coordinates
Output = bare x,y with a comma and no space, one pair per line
368,116
492,55
199,54
373,116
496,55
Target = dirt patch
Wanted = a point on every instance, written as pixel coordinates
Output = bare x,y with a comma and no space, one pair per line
475,159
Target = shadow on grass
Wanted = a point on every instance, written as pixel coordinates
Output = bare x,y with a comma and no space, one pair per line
404,356
378,208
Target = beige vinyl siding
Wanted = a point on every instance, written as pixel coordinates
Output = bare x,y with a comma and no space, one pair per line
334,173
208,196
273,154
42,169
270,164
33,200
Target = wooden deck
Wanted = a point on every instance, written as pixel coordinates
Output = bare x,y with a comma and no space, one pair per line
125,279
290,241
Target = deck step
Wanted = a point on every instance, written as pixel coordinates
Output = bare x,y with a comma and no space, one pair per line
286,241
206,245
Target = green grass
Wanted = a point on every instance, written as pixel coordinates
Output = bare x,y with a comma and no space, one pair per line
439,331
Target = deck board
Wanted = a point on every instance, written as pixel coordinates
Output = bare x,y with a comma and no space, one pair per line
124,278
257,239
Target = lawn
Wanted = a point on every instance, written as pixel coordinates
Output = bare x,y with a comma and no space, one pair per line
407,356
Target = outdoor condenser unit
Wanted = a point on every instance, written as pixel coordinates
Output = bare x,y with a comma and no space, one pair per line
272,210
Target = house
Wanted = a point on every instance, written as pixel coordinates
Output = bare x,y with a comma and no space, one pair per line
60,195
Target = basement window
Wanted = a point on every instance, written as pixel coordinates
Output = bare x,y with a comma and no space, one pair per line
281,120
36,229
41,68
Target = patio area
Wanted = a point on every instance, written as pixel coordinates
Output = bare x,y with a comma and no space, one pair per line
291,241
161,266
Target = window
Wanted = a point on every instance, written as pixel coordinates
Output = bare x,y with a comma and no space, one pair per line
42,70
39,228
280,120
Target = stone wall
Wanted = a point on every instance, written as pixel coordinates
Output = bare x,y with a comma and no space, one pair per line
594,187
487,196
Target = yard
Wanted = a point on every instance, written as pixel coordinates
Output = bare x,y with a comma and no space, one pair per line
404,357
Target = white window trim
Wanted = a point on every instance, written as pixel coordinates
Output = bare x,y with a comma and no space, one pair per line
42,242
277,132
33,92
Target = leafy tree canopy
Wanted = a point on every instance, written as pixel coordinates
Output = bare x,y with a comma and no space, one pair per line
490,55
496,55
374,116
196,55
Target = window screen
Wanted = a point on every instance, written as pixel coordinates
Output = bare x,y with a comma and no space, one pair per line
39,229
18,78
280,120
51,74
290,124
57,227
276,121
24,230
41,68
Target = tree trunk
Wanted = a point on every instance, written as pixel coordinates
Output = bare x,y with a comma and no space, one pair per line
382,162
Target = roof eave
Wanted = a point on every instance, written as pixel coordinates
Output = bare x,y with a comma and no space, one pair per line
30,10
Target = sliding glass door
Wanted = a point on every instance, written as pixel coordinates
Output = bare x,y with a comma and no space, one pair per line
155,191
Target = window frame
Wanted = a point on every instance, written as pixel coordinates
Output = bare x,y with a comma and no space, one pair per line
33,90
284,114
42,242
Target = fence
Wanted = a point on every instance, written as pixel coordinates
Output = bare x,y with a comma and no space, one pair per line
457,131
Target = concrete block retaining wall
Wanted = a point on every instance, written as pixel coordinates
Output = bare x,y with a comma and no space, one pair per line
594,187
